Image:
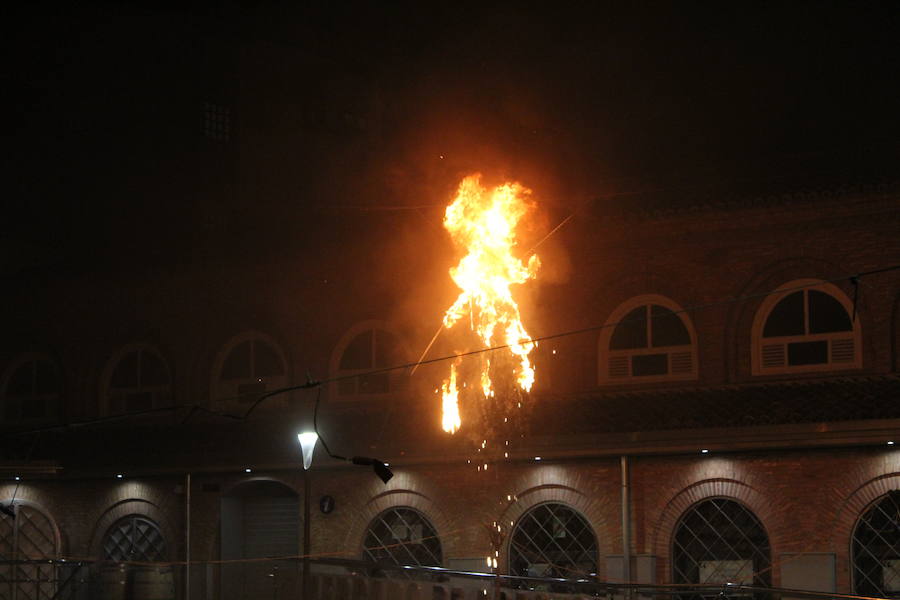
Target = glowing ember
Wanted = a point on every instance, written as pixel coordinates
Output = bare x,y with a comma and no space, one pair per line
484,222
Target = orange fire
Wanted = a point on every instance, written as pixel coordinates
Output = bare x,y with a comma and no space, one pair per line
484,222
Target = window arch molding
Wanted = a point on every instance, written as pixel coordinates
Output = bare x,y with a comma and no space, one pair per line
125,507
784,337
136,377
672,358
31,388
367,354
717,486
858,498
248,364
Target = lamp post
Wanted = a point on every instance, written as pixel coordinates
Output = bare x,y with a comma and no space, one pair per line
307,441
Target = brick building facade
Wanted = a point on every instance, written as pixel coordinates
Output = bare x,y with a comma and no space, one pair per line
717,376
804,448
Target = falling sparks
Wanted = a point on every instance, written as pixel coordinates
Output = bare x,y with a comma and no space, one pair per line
484,222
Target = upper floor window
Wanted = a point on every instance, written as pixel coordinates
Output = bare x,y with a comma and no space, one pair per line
805,326
365,348
31,389
249,365
648,338
216,122
136,379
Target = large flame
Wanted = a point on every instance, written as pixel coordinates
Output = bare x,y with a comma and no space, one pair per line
484,222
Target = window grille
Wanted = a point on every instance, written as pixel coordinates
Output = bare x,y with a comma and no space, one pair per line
876,549
720,541
30,536
552,540
134,538
402,536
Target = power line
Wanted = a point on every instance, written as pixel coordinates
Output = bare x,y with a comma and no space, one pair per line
313,383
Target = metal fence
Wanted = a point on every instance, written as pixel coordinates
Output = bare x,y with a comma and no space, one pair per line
283,579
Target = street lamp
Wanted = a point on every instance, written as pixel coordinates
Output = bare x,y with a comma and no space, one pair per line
307,441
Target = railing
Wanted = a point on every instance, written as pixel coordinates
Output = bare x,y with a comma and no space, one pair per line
282,579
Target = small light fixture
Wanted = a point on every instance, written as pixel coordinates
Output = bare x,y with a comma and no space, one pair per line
537,458
248,470
890,443
17,478
704,451
307,441
378,466
119,476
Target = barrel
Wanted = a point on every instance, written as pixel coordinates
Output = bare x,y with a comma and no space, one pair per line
153,584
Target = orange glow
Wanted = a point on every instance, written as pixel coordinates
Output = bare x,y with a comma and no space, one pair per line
483,222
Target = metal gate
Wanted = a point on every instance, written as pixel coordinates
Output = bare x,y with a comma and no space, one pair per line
31,535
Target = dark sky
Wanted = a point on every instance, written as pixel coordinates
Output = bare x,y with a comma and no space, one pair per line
627,99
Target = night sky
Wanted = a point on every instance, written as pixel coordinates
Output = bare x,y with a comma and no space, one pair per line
629,103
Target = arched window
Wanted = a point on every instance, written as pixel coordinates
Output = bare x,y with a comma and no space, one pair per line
135,379
31,389
250,364
31,535
365,348
136,538
402,536
720,540
552,540
876,549
805,326
648,338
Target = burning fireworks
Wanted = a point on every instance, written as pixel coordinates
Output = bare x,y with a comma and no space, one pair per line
484,222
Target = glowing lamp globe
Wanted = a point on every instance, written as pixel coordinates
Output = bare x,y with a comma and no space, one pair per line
307,441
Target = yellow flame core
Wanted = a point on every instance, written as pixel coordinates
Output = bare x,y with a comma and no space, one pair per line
450,421
484,223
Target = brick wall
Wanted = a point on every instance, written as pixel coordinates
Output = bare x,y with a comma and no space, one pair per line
806,501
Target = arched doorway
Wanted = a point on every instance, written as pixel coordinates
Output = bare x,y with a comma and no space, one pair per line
135,539
876,548
402,536
31,535
553,540
259,519
720,540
